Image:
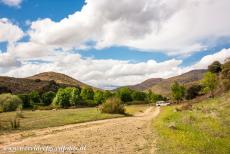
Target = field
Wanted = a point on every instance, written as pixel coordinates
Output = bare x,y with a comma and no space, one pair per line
49,118
205,128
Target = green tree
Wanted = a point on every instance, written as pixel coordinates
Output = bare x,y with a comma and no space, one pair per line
215,67
125,94
99,97
87,93
34,98
225,74
138,96
107,94
74,96
193,91
209,83
48,97
25,100
178,91
62,98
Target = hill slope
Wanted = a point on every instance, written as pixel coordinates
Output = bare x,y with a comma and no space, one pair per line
146,84
58,78
25,85
187,79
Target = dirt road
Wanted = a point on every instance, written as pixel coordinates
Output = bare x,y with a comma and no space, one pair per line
127,135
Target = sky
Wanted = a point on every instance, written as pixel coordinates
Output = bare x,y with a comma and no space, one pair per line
107,43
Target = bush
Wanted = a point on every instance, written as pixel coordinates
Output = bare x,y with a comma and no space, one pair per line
225,74
113,105
9,102
178,91
48,97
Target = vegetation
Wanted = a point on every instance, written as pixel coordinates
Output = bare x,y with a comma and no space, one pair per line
225,74
125,94
215,67
43,118
178,92
9,102
209,83
193,91
204,128
113,105
87,93
48,97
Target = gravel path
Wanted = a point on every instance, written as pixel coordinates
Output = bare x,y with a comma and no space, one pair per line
127,135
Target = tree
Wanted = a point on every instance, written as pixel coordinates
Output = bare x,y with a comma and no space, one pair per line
34,98
87,93
225,74
209,83
178,91
62,98
193,91
48,97
138,96
124,94
25,100
107,94
215,67
152,97
99,97
74,96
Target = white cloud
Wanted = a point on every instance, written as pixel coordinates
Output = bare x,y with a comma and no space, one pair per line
14,3
9,32
171,26
7,61
207,60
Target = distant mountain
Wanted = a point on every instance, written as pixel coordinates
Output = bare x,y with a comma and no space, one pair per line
47,81
186,79
146,84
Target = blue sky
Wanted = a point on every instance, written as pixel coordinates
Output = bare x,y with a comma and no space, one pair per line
141,35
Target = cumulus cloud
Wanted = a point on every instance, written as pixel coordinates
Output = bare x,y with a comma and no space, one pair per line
7,61
100,73
207,60
171,26
13,3
9,32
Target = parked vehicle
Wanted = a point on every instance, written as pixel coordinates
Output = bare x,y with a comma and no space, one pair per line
162,103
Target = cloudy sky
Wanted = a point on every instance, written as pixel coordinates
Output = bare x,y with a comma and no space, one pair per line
109,43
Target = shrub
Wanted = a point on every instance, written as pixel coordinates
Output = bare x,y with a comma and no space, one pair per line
15,123
9,102
48,97
113,105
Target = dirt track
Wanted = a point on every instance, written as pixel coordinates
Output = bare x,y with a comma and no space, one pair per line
127,135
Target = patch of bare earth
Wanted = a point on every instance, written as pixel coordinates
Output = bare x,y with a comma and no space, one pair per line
127,135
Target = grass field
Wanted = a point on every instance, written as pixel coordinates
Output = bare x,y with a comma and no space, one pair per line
205,129
50,118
